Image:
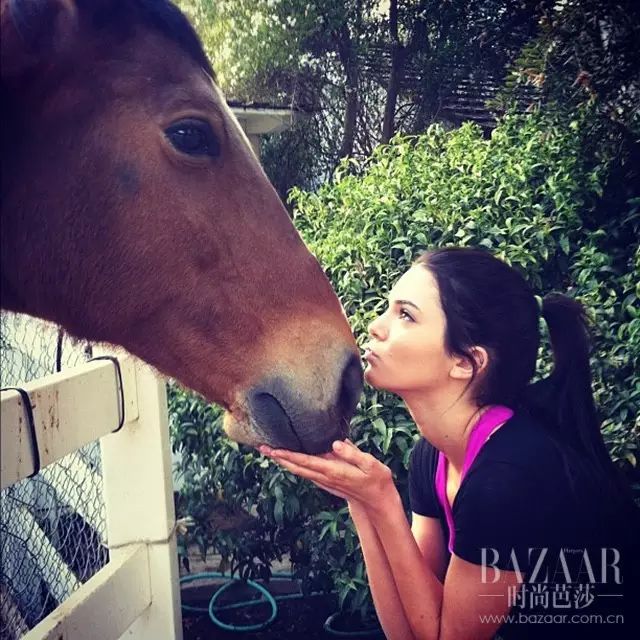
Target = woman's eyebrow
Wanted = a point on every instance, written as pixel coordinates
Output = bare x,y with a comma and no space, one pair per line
407,303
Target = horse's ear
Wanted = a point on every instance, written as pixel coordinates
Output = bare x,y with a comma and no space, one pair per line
34,32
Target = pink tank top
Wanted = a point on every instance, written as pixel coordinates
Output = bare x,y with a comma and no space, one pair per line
495,416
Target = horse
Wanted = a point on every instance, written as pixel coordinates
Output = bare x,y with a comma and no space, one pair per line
135,213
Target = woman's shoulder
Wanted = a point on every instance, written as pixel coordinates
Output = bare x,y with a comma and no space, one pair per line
523,466
521,463
526,443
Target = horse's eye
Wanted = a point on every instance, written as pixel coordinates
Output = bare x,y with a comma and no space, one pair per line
193,137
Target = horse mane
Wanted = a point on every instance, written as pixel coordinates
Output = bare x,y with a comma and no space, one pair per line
120,16
165,17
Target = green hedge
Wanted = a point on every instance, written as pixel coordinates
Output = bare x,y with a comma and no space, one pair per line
528,194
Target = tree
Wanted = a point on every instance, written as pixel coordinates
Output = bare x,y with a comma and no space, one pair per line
587,55
587,51
364,70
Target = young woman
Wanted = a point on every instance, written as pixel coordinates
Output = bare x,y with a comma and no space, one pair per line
520,525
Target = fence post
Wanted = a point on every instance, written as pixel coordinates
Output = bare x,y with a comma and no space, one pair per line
138,494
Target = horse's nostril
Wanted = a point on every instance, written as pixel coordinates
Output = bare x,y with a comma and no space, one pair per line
350,387
273,419
268,411
286,421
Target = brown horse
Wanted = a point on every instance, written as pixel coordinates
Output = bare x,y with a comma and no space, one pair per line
135,213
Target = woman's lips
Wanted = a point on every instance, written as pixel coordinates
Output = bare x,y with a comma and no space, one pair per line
369,355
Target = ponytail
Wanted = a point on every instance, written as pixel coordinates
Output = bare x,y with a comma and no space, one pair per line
573,408
566,397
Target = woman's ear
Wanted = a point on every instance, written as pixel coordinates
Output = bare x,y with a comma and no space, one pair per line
463,366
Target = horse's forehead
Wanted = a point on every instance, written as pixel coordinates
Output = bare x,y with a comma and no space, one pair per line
148,63
124,86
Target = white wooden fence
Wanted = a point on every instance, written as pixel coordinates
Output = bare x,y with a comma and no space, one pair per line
136,595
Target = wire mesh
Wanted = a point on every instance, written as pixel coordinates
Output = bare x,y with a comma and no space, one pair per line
52,526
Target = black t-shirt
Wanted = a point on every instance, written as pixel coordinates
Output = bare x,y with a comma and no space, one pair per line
523,505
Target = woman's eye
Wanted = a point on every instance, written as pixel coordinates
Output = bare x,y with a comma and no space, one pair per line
193,137
405,315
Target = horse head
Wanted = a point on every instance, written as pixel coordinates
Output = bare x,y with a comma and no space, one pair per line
136,213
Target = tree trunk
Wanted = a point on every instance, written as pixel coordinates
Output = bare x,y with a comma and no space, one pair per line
350,115
349,63
398,58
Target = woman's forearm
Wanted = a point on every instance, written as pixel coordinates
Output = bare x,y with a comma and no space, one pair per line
385,594
419,590
391,552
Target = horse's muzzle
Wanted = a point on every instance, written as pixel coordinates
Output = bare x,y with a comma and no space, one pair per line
282,415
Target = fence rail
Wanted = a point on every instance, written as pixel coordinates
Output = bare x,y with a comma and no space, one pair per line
136,594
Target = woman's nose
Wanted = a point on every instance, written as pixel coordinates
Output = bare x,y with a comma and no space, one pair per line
376,329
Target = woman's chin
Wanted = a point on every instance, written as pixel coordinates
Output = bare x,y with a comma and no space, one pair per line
370,377
375,380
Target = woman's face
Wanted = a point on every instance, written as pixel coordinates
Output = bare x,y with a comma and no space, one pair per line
406,351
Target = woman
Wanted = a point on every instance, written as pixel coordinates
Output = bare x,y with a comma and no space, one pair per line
516,506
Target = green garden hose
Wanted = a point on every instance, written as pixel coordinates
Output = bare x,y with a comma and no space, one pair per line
267,597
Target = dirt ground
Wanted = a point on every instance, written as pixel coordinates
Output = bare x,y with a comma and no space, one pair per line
295,619
300,618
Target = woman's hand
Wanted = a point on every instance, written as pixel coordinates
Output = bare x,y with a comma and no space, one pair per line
347,472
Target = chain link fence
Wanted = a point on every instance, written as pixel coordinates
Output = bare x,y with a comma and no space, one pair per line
52,526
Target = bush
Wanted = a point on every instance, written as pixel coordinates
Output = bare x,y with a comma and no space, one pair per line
527,193
244,507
